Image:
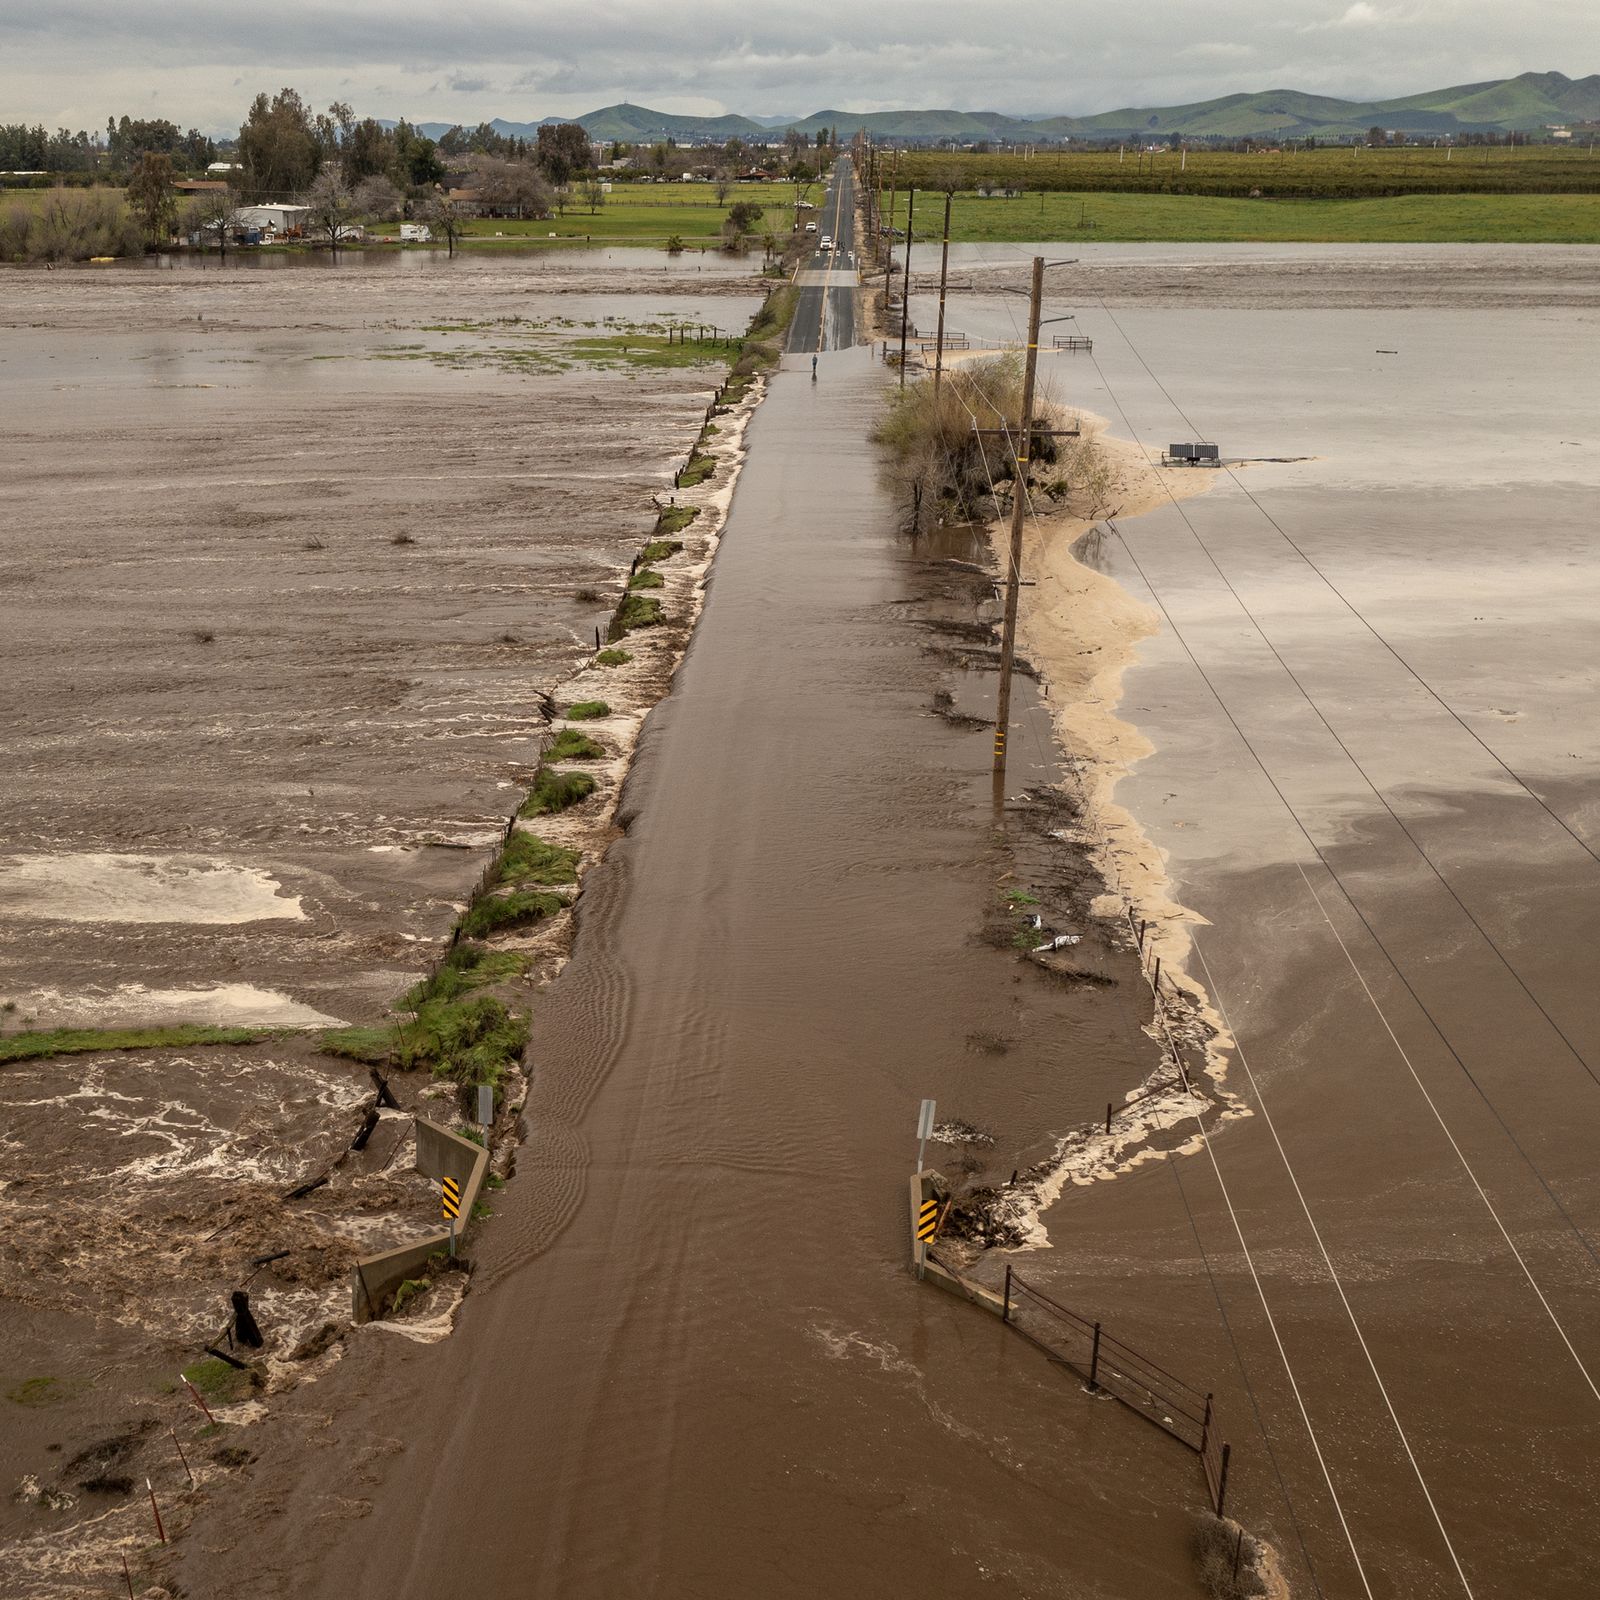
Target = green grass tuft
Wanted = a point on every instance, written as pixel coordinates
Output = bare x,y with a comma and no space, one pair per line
571,745
467,967
528,859
44,1043
613,658
587,710
216,1380
638,611
698,470
499,913
660,550
555,791
472,1040
644,578
676,518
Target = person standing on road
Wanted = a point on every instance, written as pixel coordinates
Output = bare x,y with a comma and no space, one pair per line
813,369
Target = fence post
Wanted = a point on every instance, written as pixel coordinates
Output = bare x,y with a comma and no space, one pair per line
1108,1116
1005,1313
1205,1426
1094,1360
1222,1479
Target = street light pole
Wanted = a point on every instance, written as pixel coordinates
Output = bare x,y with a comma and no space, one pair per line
1019,496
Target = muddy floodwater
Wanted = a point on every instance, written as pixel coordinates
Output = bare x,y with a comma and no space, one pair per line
292,559
289,556
1372,692
693,1360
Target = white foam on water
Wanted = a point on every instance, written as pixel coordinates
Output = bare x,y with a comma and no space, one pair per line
131,1004
106,887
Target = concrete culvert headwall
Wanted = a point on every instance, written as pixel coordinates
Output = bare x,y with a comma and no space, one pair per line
440,1154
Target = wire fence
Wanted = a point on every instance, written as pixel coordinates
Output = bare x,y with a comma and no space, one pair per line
1111,1366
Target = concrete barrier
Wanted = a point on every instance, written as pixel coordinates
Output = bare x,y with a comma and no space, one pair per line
440,1154
926,1185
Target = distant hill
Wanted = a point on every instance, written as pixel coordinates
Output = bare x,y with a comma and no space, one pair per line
1524,103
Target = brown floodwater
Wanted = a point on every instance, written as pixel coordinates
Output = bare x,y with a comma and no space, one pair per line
693,1361
289,558
292,560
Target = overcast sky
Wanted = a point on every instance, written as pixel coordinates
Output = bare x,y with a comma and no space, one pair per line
73,62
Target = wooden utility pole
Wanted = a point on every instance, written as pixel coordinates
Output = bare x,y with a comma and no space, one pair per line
888,258
1019,500
905,285
944,274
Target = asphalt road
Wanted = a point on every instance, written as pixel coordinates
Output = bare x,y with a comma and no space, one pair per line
829,279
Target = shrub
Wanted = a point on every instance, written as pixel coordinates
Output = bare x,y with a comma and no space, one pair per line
69,225
555,791
588,710
570,745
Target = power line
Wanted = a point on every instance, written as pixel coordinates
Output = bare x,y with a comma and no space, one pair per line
1244,1375
1333,589
1333,1272
1434,1022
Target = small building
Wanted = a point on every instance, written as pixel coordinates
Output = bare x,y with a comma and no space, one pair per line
275,219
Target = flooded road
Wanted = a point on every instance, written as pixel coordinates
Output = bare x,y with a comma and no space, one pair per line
693,1361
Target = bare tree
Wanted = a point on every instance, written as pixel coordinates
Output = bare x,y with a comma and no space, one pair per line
377,199
514,186
594,194
443,218
332,208
723,187
212,214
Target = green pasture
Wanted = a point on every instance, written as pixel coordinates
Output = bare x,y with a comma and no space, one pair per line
1400,219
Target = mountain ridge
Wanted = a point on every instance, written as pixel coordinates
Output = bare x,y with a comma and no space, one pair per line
1525,103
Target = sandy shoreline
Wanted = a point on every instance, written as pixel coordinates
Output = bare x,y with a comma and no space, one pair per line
1081,630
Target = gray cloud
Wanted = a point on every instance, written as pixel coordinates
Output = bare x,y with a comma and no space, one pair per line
74,63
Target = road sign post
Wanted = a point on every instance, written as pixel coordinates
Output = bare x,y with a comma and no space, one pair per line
924,1130
450,1203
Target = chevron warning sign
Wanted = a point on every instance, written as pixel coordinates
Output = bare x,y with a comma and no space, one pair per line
927,1220
450,1197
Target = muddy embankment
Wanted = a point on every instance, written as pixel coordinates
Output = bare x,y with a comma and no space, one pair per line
311,566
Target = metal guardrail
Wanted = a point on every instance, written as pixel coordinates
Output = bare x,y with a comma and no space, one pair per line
1071,341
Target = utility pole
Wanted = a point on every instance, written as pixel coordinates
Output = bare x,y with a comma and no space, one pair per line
888,269
905,285
1019,498
944,273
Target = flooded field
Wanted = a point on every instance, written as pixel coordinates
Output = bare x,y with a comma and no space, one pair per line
1360,703
295,559
1369,688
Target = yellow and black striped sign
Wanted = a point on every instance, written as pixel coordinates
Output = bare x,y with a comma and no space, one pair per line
450,1197
927,1220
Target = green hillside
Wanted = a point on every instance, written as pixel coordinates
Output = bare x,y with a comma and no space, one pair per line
1526,103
